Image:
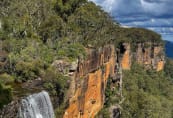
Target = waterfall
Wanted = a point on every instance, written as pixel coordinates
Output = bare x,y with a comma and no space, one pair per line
36,106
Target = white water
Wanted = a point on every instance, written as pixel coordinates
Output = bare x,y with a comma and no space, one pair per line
36,106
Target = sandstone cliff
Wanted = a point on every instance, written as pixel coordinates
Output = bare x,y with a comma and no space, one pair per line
126,56
91,78
92,74
148,54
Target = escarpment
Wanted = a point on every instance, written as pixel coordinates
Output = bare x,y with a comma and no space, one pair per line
125,50
92,74
150,55
91,78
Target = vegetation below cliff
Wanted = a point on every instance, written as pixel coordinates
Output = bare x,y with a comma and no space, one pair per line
147,93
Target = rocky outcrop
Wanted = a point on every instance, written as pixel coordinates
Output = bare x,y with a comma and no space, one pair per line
10,110
65,67
95,59
91,78
150,55
126,58
114,112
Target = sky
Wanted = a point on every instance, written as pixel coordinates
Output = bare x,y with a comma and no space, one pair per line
156,15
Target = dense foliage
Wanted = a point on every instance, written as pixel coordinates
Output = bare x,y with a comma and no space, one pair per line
57,85
112,98
5,93
147,94
168,67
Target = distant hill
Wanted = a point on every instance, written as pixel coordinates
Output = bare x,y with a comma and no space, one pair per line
169,49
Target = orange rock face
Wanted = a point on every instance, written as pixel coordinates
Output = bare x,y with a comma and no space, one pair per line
160,65
143,54
88,98
151,56
160,61
126,59
93,72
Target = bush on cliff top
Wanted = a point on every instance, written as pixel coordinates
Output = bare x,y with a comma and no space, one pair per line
138,35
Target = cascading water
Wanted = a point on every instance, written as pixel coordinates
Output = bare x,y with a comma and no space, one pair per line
36,106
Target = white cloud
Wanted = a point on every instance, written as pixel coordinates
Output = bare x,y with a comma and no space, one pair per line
142,13
152,20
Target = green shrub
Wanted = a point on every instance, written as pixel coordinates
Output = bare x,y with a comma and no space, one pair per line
147,94
104,113
56,83
72,51
6,78
29,70
169,67
5,95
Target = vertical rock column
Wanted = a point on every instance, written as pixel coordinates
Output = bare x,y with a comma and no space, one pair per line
126,58
89,96
159,61
150,55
